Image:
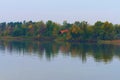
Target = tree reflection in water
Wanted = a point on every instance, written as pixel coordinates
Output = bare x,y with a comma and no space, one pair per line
100,52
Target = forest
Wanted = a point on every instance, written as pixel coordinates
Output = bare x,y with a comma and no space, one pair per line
77,31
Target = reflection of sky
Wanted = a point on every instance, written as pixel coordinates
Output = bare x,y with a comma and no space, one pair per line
59,10
61,68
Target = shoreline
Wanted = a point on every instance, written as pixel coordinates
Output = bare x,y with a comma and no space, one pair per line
61,40
116,42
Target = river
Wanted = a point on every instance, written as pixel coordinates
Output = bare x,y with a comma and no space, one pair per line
31,60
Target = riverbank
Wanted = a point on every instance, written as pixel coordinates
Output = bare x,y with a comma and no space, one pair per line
116,42
15,38
60,40
26,38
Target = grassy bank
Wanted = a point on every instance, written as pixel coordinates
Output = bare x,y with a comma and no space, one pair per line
26,38
59,40
15,38
116,42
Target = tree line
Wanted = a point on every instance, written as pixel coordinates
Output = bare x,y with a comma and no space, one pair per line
77,31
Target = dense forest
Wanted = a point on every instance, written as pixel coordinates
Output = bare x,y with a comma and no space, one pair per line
77,31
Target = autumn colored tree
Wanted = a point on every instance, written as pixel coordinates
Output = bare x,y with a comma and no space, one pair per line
77,31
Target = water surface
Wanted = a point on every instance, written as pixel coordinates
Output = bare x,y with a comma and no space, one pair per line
30,60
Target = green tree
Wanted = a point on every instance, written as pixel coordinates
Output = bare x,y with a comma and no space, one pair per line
107,31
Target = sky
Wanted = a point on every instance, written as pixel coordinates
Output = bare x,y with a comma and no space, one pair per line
60,10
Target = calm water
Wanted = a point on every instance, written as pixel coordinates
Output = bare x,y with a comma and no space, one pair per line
23,60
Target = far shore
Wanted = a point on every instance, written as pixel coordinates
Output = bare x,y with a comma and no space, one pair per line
15,38
116,42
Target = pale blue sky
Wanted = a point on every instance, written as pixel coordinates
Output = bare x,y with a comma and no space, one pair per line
60,10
